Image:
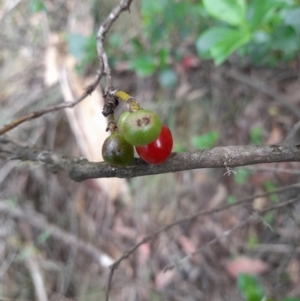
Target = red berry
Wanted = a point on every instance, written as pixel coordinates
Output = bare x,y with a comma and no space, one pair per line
159,150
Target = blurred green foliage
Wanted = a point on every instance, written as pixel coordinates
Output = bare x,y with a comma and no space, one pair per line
36,6
269,187
83,49
231,199
256,135
43,237
252,289
264,32
260,32
206,140
252,241
242,175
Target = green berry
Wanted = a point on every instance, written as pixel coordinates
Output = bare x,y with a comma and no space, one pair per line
117,151
120,123
141,127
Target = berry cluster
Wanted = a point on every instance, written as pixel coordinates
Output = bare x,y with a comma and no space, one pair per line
143,130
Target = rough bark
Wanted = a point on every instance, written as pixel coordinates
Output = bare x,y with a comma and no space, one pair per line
80,169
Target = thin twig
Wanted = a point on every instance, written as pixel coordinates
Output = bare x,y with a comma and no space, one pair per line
278,206
284,263
274,169
8,7
38,221
292,134
268,248
36,275
253,217
210,243
110,101
259,85
151,236
7,263
7,139
60,106
103,29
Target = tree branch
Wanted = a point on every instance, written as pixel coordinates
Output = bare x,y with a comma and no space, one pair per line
255,216
151,236
36,275
259,85
110,101
103,29
38,221
80,169
60,106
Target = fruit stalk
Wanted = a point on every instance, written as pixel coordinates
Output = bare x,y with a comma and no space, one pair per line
111,123
133,105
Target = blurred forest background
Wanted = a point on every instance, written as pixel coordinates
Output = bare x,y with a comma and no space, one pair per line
216,78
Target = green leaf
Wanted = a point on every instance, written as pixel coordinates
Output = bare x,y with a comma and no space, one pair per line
269,187
143,66
252,241
242,175
259,10
115,40
36,6
43,237
268,219
154,296
232,40
76,45
137,45
162,58
179,147
258,48
231,199
256,135
83,49
230,11
292,18
90,50
208,39
167,78
205,141
250,287
153,7
12,203
285,39
26,251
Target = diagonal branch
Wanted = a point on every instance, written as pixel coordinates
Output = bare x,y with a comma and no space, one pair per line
60,106
255,216
39,222
153,235
263,87
103,29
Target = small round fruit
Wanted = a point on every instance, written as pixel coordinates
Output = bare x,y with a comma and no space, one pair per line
120,123
141,127
117,151
159,150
